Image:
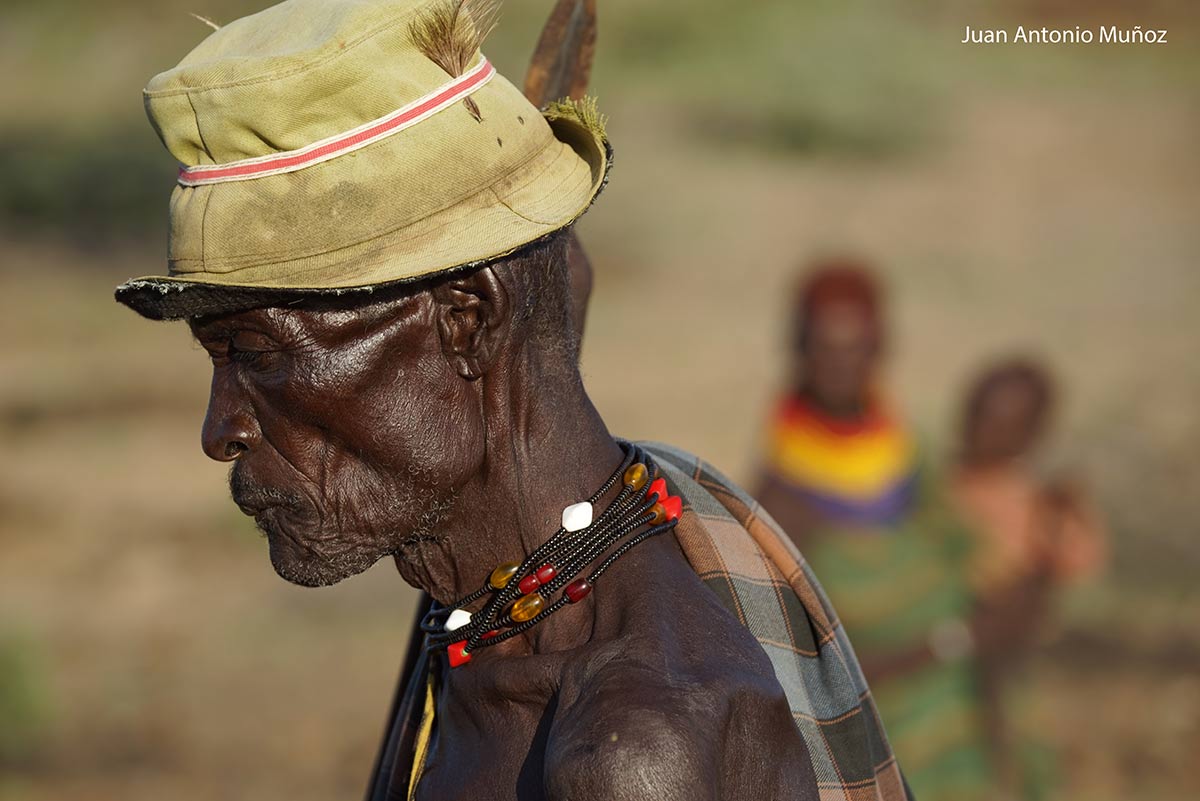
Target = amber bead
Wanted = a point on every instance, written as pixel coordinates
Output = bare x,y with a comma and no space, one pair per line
660,514
502,575
528,584
658,490
458,653
545,573
577,590
636,476
673,506
527,608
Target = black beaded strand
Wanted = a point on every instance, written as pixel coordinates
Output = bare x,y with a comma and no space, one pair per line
562,557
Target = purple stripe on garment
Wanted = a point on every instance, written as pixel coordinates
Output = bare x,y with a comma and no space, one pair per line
885,509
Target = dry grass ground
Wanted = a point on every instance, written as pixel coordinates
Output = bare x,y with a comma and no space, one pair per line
156,656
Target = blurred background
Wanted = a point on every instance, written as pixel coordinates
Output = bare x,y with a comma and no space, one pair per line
1043,199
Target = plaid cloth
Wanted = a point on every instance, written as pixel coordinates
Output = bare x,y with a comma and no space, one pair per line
760,577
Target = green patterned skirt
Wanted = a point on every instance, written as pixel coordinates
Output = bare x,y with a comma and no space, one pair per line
896,589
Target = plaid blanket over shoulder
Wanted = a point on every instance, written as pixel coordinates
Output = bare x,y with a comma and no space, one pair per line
741,555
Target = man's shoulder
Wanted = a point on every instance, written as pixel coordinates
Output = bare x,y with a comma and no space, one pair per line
634,730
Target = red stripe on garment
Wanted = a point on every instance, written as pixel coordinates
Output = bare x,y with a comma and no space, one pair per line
795,410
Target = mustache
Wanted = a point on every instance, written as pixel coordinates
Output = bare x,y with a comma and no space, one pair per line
250,494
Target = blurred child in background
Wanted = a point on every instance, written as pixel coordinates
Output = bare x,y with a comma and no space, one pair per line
844,477
1033,536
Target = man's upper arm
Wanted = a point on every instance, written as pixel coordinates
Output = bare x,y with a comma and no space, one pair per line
632,755
705,744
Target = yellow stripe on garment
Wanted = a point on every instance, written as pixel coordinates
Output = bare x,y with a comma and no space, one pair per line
859,466
424,735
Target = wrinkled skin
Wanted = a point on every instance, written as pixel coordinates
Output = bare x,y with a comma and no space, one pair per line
434,428
337,444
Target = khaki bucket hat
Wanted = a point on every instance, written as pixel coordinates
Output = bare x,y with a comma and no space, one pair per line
339,146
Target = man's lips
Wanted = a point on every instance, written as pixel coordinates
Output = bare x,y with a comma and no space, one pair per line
250,509
269,519
263,510
255,499
251,500
259,507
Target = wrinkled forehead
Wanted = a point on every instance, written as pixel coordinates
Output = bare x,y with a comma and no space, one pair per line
314,318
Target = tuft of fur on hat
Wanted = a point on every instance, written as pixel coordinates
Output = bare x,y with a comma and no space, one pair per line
450,34
585,110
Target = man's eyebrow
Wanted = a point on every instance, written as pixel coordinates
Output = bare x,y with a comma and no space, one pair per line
367,318
240,320
211,327
199,330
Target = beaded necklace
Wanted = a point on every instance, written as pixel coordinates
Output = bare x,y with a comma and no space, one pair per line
518,604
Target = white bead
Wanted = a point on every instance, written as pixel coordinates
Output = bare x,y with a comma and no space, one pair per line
577,516
458,618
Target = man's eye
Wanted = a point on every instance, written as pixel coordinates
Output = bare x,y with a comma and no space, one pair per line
253,358
252,349
256,359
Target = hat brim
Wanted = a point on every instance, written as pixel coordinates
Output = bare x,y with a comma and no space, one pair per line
546,195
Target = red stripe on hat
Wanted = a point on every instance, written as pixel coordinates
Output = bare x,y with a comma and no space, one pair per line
292,160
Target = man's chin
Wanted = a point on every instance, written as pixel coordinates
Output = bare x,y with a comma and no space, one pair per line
305,568
311,571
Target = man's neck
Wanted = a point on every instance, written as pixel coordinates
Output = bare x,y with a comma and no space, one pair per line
546,448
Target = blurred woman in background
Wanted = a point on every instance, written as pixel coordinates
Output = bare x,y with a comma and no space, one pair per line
1034,535
844,477
837,452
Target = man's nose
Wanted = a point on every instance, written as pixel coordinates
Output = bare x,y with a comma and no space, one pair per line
227,434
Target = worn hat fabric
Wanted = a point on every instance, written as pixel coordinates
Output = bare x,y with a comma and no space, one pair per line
323,151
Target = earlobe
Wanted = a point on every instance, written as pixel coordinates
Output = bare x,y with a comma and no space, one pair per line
472,316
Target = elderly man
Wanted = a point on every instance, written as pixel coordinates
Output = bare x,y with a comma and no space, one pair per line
370,238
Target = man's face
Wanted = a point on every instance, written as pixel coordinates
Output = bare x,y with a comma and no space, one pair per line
348,430
838,356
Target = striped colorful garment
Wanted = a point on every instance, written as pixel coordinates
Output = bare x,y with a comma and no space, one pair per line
763,582
899,590
850,471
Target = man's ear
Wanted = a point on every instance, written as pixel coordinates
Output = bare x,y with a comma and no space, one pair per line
472,317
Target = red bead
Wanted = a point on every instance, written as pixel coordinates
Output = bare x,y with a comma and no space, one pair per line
674,507
545,573
658,490
491,634
577,590
458,654
529,584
